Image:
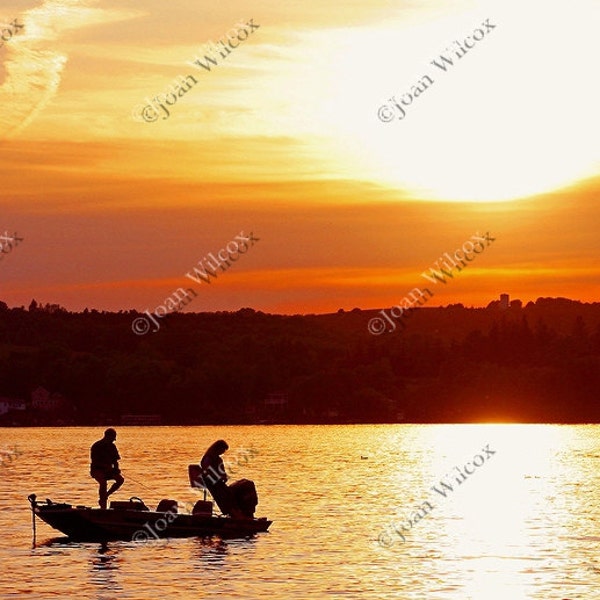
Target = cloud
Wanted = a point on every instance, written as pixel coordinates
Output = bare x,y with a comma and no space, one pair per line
35,64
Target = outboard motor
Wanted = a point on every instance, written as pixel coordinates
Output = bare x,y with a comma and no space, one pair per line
244,496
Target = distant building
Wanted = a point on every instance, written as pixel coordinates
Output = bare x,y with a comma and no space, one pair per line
44,401
39,397
8,404
274,408
276,401
15,404
141,420
504,301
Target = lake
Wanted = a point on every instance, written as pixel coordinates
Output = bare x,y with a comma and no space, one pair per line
524,523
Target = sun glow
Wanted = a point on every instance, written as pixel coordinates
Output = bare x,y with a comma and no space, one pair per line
508,119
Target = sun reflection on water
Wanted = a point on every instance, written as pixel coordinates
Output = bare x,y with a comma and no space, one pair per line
522,525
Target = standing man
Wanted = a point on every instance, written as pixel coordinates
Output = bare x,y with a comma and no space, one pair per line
105,465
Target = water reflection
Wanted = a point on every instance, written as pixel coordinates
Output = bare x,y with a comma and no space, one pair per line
209,553
106,558
105,563
58,541
524,526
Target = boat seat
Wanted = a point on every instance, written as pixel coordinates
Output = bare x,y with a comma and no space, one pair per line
196,478
195,475
167,505
203,507
133,503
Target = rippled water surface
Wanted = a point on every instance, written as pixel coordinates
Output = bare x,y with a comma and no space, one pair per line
524,524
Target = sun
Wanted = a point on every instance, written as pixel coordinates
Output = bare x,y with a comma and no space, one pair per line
513,116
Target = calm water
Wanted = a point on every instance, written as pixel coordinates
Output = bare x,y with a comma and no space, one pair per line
525,524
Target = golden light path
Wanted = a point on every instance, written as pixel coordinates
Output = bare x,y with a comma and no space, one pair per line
525,476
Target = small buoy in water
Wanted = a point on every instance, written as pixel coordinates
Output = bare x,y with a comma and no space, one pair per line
363,457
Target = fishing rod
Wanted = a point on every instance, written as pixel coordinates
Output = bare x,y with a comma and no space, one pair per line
139,483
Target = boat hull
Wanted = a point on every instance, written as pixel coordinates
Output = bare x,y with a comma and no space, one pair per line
81,523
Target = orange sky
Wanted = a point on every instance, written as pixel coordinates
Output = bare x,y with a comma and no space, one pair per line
282,138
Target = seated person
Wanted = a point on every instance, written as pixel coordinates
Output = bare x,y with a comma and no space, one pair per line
215,479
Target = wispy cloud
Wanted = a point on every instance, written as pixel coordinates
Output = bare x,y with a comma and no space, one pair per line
36,59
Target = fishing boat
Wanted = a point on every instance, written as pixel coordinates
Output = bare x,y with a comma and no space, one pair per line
133,520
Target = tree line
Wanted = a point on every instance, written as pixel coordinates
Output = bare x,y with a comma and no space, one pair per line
537,363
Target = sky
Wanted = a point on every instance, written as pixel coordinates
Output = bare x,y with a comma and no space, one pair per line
298,135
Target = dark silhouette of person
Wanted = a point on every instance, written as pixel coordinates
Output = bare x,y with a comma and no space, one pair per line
215,478
105,465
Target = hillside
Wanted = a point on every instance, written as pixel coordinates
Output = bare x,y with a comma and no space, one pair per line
537,363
